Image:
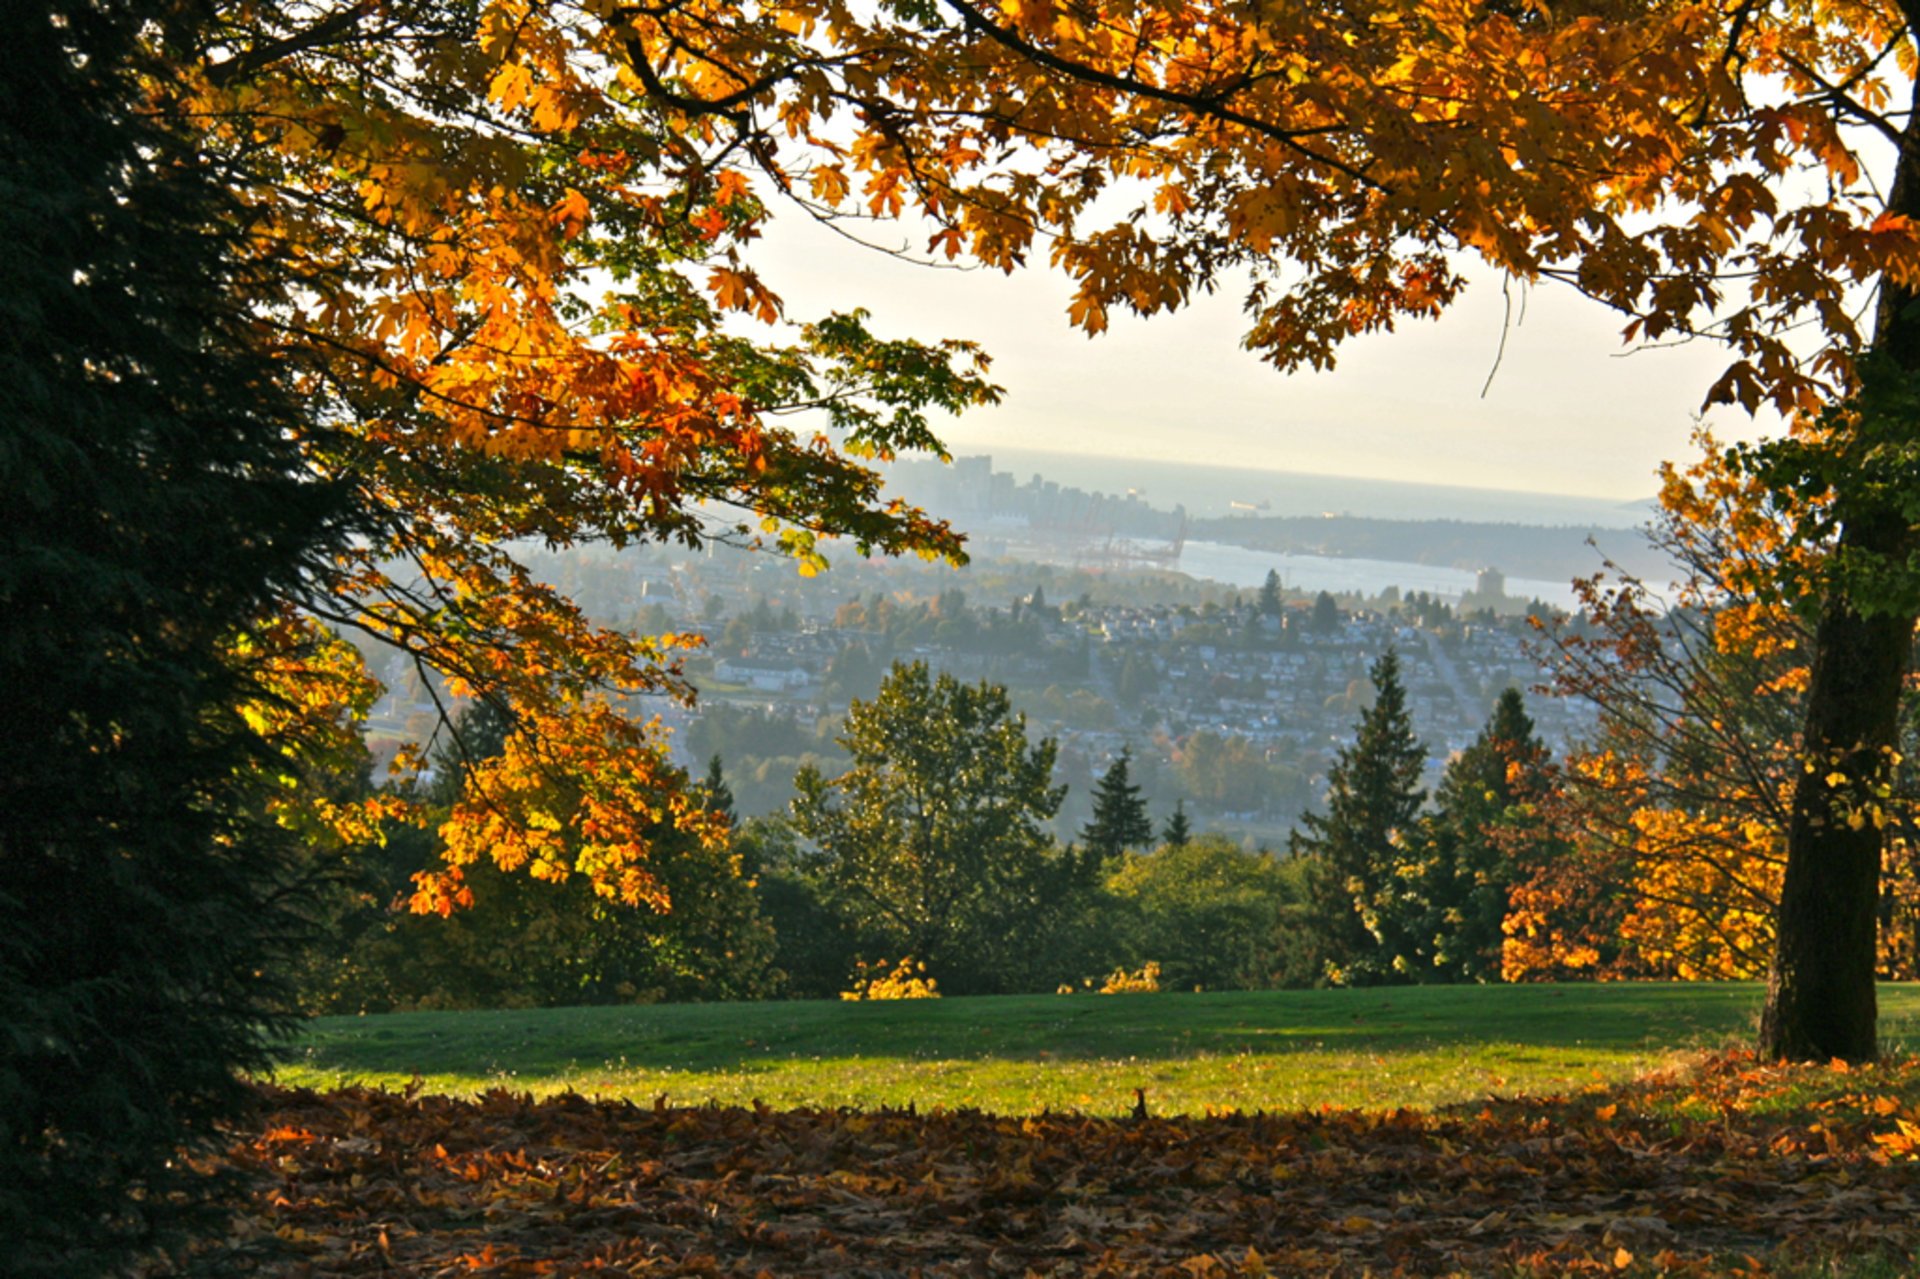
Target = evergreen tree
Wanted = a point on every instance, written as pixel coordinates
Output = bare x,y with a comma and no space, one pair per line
1270,594
1178,831
156,506
1373,805
1483,814
1120,817
719,794
1326,615
1136,681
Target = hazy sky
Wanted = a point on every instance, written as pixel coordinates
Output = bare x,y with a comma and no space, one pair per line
1568,412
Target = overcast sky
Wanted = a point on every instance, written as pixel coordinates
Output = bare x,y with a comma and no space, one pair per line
1568,411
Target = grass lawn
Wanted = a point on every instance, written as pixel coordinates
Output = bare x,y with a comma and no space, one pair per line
1273,1051
1586,1161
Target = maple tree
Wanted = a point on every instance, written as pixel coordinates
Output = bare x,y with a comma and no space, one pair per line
526,943
1681,799
516,269
316,314
1720,173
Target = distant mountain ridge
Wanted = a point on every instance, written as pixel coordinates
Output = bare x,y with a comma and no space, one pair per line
1210,489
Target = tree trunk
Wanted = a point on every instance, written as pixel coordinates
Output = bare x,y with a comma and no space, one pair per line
1820,994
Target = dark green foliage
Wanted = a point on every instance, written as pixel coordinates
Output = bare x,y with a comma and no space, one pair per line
719,794
1178,829
1137,680
1438,914
1373,806
1326,615
933,842
1120,819
814,947
155,507
1270,594
1485,822
1214,916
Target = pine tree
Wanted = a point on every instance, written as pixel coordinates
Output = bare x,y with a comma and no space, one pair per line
1120,817
719,794
1270,594
156,507
1373,805
1326,615
1483,819
1177,832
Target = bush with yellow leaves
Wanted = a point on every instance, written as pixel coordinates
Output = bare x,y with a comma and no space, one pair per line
1144,982
905,980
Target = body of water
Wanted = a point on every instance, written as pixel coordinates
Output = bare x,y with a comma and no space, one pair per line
1244,568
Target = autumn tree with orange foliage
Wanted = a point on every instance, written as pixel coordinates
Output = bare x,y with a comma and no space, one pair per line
1681,800
315,313
518,268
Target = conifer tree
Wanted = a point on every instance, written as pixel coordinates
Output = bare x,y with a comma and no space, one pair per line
719,794
1120,819
1373,805
1326,615
1178,831
1270,594
1483,820
156,507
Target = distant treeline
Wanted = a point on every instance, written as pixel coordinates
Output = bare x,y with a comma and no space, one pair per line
1518,550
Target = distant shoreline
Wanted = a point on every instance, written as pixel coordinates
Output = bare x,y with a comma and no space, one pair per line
1210,490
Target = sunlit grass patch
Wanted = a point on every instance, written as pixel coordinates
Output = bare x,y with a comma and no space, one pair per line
1371,1049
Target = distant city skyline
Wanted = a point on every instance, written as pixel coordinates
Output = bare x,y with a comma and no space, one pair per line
1568,411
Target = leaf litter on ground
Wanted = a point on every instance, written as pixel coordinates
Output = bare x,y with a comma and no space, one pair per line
1724,1166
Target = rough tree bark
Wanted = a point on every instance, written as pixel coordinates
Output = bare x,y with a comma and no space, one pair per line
1820,991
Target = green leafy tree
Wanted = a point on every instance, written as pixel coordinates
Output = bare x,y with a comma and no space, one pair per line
156,508
933,842
1373,806
1213,915
1228,773
1120,820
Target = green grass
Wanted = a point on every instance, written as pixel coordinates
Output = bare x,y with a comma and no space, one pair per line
1422,1047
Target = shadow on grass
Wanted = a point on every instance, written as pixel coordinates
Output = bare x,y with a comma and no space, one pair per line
1618,1017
